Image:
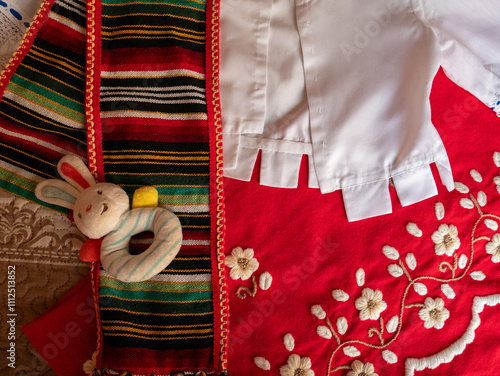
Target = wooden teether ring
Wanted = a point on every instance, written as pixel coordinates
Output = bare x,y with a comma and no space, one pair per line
116,258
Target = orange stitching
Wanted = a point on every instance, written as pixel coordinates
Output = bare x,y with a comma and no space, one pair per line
219,181
90,89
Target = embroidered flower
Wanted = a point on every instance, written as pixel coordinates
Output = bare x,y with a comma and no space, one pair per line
90,365
434,314
370,304
360,369
446,240
493,248
297,366
242,263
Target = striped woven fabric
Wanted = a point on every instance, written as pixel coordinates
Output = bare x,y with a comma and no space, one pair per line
155,132
42,109
153,129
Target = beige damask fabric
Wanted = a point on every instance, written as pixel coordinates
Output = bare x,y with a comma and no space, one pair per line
43,247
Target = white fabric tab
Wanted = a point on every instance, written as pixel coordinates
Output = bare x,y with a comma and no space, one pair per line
244,165
280,169
312,181
444,168
283,146
230,142
415,185
367,200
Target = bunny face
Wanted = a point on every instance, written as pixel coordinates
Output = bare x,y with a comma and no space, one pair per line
98,209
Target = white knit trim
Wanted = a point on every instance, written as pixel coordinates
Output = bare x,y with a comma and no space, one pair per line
458,347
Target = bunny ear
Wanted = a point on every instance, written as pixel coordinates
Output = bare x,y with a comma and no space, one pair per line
57,192
73,170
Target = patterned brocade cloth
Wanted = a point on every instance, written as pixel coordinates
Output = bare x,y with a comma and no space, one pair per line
128,87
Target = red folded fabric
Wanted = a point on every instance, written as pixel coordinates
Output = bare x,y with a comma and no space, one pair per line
66,335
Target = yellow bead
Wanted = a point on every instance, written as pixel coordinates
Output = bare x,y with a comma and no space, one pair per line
145,197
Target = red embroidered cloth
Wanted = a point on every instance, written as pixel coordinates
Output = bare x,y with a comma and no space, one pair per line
415,292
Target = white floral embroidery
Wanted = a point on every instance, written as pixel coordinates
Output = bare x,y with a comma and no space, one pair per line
461,187
289,342
262,363
340,296
242,263
481,198
351,351
413,229
434,314
390,252
466,203
324,332
342,325
389,357
395,270
446,240
411,261
493,248
392,324
496,158
297,366
478,275
462,261
420,288
360,277
491,224
360,369
90,365
439,210
370,304
265,280
476,175
317,311
448,291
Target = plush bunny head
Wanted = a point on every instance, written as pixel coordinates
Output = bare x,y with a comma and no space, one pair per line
97,207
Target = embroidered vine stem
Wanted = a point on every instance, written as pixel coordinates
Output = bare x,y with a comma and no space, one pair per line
379,333
329,323
405,270
244,291
444,266
476,204
415,305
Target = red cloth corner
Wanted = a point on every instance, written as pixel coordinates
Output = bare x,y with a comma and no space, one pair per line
66,335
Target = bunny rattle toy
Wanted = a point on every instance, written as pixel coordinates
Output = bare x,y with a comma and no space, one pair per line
102,209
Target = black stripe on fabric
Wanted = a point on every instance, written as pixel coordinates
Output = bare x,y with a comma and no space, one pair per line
174,108
73,16
184,263
77,60
26,162
160,307
74,79
41,122
194,222
177,344
154,82
162,21
158,168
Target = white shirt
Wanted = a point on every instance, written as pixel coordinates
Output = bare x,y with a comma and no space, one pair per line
347,82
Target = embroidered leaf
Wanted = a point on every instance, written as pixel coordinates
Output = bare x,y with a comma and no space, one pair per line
448,291
289,342
262,363
390,252
476,175
498,188
496,180
395,270
413,229
392,324
481,198
342,325
420,288
478,276
466,203
461,187
462,261
439,209
491,224
340,295
360,277
496,158
317,311
389,357
351,351
324,332
265,280
411,261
